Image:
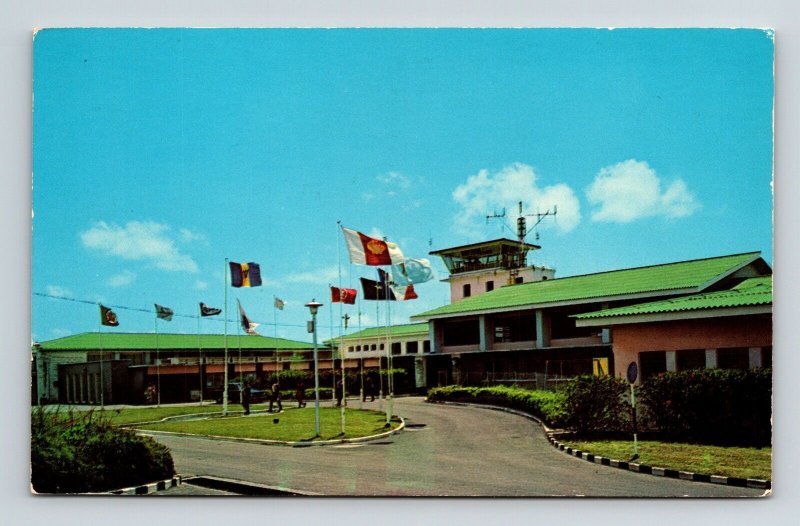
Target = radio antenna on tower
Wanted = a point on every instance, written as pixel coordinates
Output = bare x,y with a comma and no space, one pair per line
522,229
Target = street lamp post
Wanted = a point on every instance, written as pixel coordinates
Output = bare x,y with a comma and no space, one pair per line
314,306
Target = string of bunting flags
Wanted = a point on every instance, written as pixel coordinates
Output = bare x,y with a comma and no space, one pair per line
394,284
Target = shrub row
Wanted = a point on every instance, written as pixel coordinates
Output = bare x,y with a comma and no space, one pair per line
85,453
722,406
546,405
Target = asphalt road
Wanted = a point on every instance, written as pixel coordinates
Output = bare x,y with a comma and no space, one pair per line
445,451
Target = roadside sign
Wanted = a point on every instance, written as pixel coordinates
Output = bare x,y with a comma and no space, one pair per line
633,372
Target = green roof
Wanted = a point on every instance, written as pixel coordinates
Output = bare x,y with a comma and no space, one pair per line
681,277
751,292
395,331
147,341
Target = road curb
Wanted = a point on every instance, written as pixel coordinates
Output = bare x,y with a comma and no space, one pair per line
621,464
145,489
658,471
280,442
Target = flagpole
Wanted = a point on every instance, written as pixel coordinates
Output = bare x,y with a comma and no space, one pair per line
275,319
225,338
361,395
380,358
333,359
388,351
158,366
100,335
199,358
341,348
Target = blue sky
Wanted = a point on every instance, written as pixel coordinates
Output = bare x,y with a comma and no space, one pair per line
159,153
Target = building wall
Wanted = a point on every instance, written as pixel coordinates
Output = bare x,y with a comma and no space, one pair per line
477,280
709,334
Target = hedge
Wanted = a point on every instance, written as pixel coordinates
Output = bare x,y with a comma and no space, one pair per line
546,405
722,406
85,453
597,404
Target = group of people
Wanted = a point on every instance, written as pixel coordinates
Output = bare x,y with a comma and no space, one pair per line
275,395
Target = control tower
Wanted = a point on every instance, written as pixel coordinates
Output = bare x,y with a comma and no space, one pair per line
482,267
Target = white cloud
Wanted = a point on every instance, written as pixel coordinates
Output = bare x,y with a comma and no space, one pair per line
323,275
147,241
126,277
485,193
59,291
188,236
395,179
200,285
631,190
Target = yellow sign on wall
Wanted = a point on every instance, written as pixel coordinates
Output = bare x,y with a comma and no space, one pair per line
600,366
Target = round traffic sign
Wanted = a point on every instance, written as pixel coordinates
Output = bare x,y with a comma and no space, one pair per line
633,372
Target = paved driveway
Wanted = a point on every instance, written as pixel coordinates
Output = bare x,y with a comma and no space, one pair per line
446,450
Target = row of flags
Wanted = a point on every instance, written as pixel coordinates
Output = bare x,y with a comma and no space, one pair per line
394,285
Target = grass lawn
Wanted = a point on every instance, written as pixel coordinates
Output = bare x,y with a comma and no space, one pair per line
130,415
744,462
293,425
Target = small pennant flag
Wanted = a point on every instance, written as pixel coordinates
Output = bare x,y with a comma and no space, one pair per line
365,250
164,313
245,274
248,326
347,296
279,303
107,317
205,310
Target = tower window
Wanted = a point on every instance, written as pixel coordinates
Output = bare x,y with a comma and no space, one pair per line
467,289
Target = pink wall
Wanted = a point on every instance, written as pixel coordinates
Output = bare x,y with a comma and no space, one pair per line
711,333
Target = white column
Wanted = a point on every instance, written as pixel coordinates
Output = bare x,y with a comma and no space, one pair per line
756,359
542,329
711,358
671,361
482,332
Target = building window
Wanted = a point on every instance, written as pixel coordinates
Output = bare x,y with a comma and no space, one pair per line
514,328
412,347
736,358
358,348
380,346
467,290
489,286
396,348
519,279
652,363
374,347
462,332
426,346
349,349
690,359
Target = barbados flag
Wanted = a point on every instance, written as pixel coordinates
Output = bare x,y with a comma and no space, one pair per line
245,274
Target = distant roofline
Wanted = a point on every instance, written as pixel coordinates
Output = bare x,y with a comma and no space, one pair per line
501,240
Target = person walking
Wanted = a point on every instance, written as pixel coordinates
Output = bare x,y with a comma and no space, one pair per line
339,392
276,397
300,394
369,389
246,400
